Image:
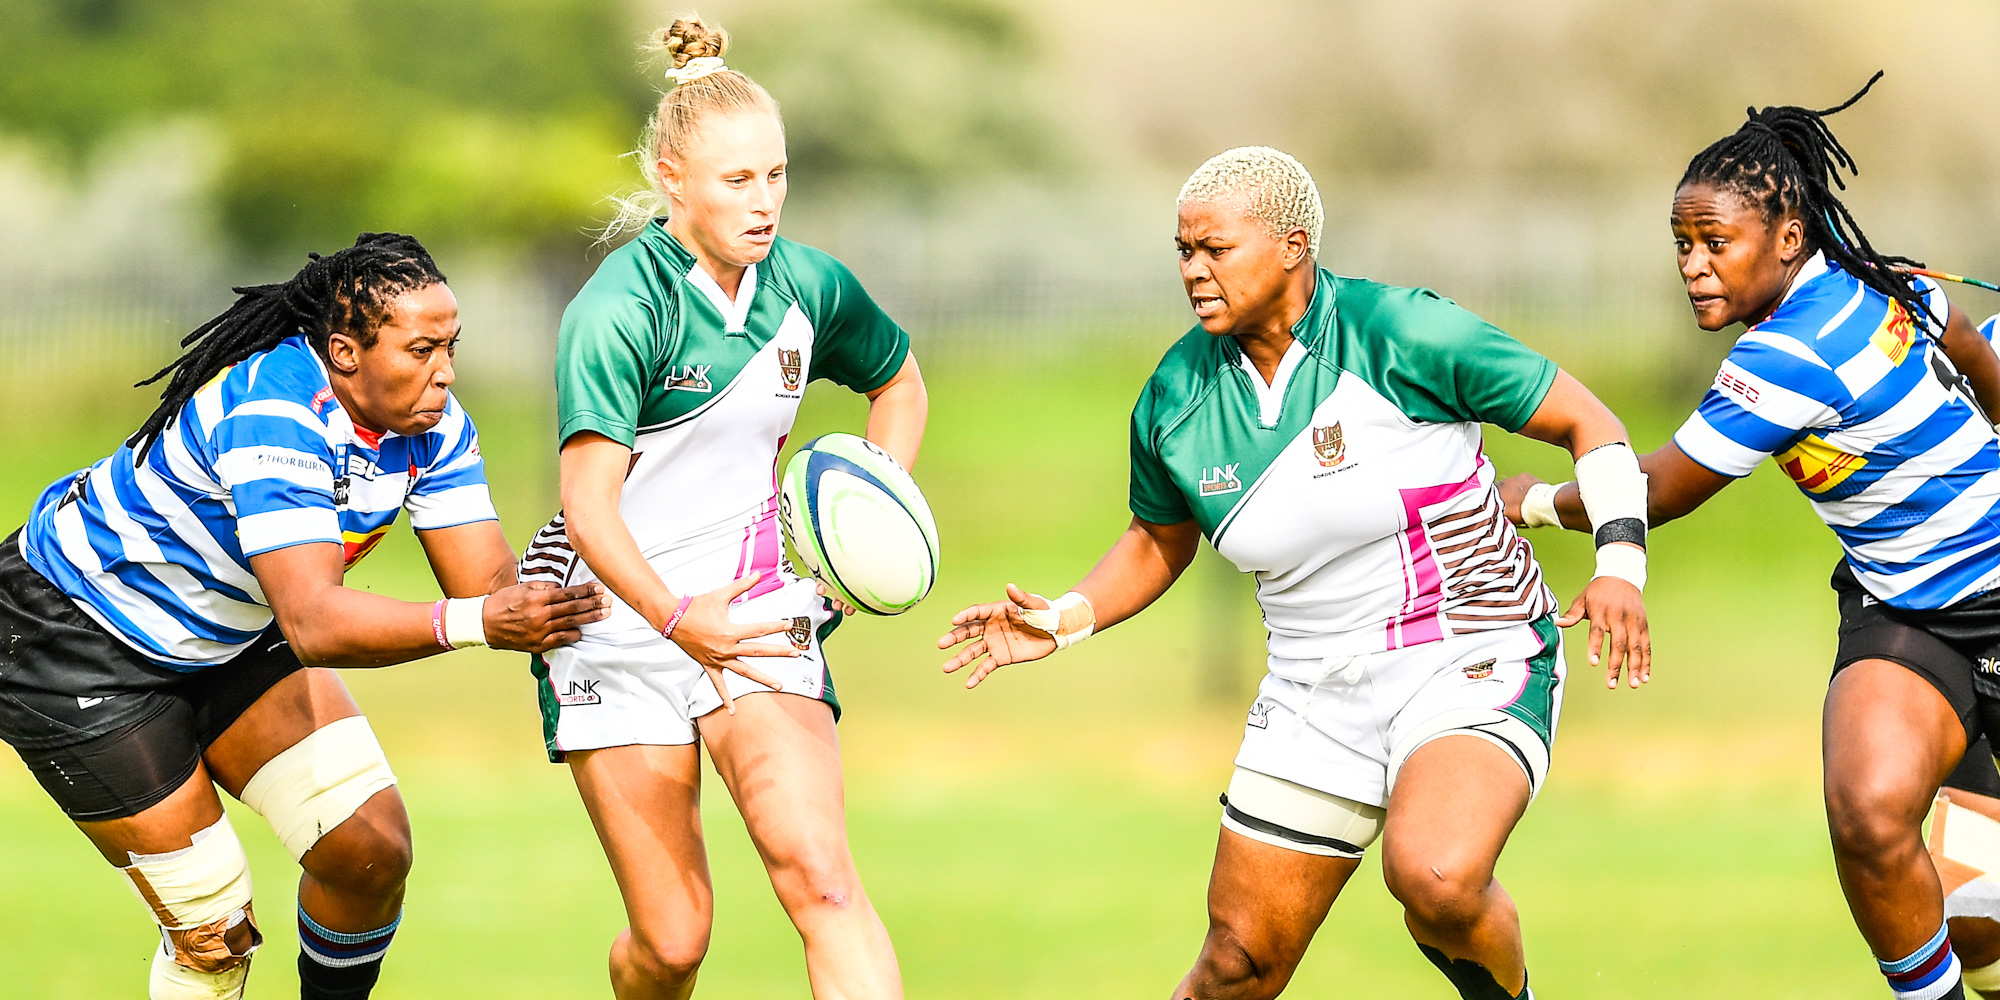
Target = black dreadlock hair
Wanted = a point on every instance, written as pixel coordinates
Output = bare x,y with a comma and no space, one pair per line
347,292
1786,161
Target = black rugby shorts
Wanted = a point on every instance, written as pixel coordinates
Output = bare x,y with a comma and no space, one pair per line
1955,649
107,732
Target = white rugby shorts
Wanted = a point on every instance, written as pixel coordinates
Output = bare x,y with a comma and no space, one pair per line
1345,724
629,686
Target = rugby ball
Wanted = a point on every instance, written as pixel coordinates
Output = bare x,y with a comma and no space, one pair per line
858,524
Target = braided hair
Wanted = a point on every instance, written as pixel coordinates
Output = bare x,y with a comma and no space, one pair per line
1786,161
346,292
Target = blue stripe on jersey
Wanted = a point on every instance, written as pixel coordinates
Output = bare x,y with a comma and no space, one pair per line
158,550
1821,386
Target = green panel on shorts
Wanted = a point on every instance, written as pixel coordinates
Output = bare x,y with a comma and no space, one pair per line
545,699
826,689
1537,704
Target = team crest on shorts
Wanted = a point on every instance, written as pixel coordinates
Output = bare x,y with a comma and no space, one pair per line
790,369
1329,446
801,633
1480,671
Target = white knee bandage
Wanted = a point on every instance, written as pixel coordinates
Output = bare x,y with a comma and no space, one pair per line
1519,739
1965,846
1290,815
318,783
200,897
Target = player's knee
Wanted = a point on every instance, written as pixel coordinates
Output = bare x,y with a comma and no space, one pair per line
1868,821
1446,896
200,897
1229,966
369,854
669,961
814,878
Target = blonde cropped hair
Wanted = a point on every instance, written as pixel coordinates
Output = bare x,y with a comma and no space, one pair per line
1281,193
694,93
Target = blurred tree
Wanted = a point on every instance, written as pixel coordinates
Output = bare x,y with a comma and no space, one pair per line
500,123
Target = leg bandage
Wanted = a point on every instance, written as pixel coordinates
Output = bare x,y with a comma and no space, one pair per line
200,897
318,783
1498,728
1985,979
1965,845
1290,815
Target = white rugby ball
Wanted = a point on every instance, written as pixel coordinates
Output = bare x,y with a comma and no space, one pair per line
859,524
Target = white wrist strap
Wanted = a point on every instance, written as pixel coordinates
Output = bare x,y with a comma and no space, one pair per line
465,622
1068,619
1538,508
1624,561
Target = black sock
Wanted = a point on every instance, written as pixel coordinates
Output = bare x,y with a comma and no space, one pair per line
337,966
1473,980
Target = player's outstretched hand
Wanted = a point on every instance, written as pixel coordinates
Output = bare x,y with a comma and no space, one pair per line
1618,635
706,634
537,617
999,636
1513,490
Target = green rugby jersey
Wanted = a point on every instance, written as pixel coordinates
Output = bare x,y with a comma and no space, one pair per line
704,389
1354,486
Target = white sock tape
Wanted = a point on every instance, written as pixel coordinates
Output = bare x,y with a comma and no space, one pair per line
465,622
1538,508
1068,619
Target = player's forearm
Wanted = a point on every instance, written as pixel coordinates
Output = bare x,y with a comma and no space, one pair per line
897,412
342,627
1143,564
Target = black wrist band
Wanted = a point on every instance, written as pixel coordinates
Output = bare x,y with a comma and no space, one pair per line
1624,529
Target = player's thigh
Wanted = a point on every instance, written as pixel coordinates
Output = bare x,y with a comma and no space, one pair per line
1890,736
645,803
780,757
283,713
1268,901
1456,800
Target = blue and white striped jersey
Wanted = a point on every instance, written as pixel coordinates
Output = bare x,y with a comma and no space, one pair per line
262,458
1855,399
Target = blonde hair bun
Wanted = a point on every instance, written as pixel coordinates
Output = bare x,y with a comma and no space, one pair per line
687,39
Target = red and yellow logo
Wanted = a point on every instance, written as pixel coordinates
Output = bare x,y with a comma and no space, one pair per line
1817,466
359,545
1896,334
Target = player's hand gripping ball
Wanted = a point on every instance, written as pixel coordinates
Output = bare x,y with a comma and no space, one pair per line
859,524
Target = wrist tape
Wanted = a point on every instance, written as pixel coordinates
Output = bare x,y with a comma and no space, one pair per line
1538,508
465,622
1068,619
1614,496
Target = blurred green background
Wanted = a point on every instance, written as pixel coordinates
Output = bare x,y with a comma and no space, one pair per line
1001,174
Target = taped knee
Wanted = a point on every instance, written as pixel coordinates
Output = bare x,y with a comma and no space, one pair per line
1965,846
200,897
1510,734
1290,815
318,783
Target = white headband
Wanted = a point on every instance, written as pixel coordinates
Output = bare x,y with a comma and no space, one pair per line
696,69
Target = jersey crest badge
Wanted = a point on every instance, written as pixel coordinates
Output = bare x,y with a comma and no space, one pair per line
692,378
1480,671
801,633
1221,479
790,369
1329,446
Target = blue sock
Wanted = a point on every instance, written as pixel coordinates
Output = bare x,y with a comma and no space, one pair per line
1929,973
337,966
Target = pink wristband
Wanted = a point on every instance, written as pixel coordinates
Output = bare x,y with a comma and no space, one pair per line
675,618
437,624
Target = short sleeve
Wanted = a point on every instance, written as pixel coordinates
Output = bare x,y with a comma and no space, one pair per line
855,343
273,458
604,352
1446,365
1765,399
450,489
1154,496
1987,327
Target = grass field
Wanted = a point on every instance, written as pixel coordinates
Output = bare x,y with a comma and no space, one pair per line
1049,835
